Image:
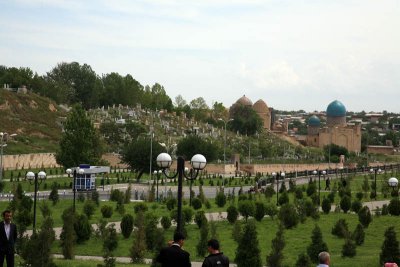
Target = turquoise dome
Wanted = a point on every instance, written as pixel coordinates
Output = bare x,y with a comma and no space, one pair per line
336,109
314,121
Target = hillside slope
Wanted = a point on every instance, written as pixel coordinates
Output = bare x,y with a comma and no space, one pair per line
35,120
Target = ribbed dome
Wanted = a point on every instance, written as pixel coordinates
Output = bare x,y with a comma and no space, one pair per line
336,109
314,121
244,101
260,106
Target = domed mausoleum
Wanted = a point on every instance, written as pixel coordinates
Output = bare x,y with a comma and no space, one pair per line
336,131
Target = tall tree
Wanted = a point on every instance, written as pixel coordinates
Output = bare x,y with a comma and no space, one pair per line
275,258
317,244
193,144
245,120
248,251
80,142
390,247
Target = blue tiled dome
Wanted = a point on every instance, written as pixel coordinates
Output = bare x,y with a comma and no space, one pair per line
336,109
314,121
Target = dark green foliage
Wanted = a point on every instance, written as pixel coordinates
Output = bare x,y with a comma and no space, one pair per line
45,209
95,197
260,211
140,207
246,208
220,199
345,203
283,198
187,214
200,218
356,206
317,244
196,203
269,191
298,193
349,248
385,209
232,214
116,195
110,243
288,216
81,197
74,149
89,208
68,235
275,258
331,196
201,246
165,222
311,188
150,226
171,203
390,248
106,211
365,216
194,144
248,251
358,235
127,225
36,252
271,210
83,229
394,207
303,260
326,205
237,231
245,120
138,248
340,229
53,196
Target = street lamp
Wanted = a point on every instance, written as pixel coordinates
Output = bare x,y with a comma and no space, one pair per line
319,183
36,179
198,163
376,171
157,175
393,183
80,171
3,143
225,123
277,175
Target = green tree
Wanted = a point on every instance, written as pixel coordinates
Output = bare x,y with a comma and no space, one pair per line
245,120
68,235
127,225
390,248
288,216
275,258
194,144
317,244
260,211
79,142
358,235
246,208
349,248
138,248
365,216
248,251
201,246
232,214
53,196
137,155
110,243
83,229
303,260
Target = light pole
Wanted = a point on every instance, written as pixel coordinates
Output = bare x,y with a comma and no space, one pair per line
157,175
319,183
36,179
198,163
151,150
376,171
277,175
393,183
225,123
80,171
3,143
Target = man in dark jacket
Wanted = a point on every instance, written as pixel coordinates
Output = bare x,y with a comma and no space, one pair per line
216,258
174,255
8,237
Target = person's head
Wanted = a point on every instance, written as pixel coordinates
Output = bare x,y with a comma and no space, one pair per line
7,215
324,257
213,246
179,238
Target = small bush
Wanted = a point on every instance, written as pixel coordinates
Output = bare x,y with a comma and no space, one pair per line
326,205
358,235
394,207
200,218
196,203
220,199
232,214
356,206
165,222
340,229
106,211
365,216
140,207
127,225
260,211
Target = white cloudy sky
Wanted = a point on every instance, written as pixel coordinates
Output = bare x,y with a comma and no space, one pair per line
299,54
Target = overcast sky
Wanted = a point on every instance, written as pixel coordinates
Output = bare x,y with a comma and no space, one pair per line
292,54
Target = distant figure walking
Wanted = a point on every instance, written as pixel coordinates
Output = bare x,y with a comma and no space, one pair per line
8,237
216,258
324,259
328,184
174,255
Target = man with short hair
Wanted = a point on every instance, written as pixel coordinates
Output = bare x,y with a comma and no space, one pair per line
216,258
8,237
324,259
174,255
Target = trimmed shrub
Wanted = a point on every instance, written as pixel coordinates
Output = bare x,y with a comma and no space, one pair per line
288,216
358,235
165,222
326,205
220,199
140,207
127,225
196,203
365,216
340,229
394,207
232,214
345,203
259,211
106,211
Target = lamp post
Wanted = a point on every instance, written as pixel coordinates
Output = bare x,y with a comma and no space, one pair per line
80,171
36,179
376,171
151,151
3,143
157,175
319,183
277,175
393,183
198,163
225,123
